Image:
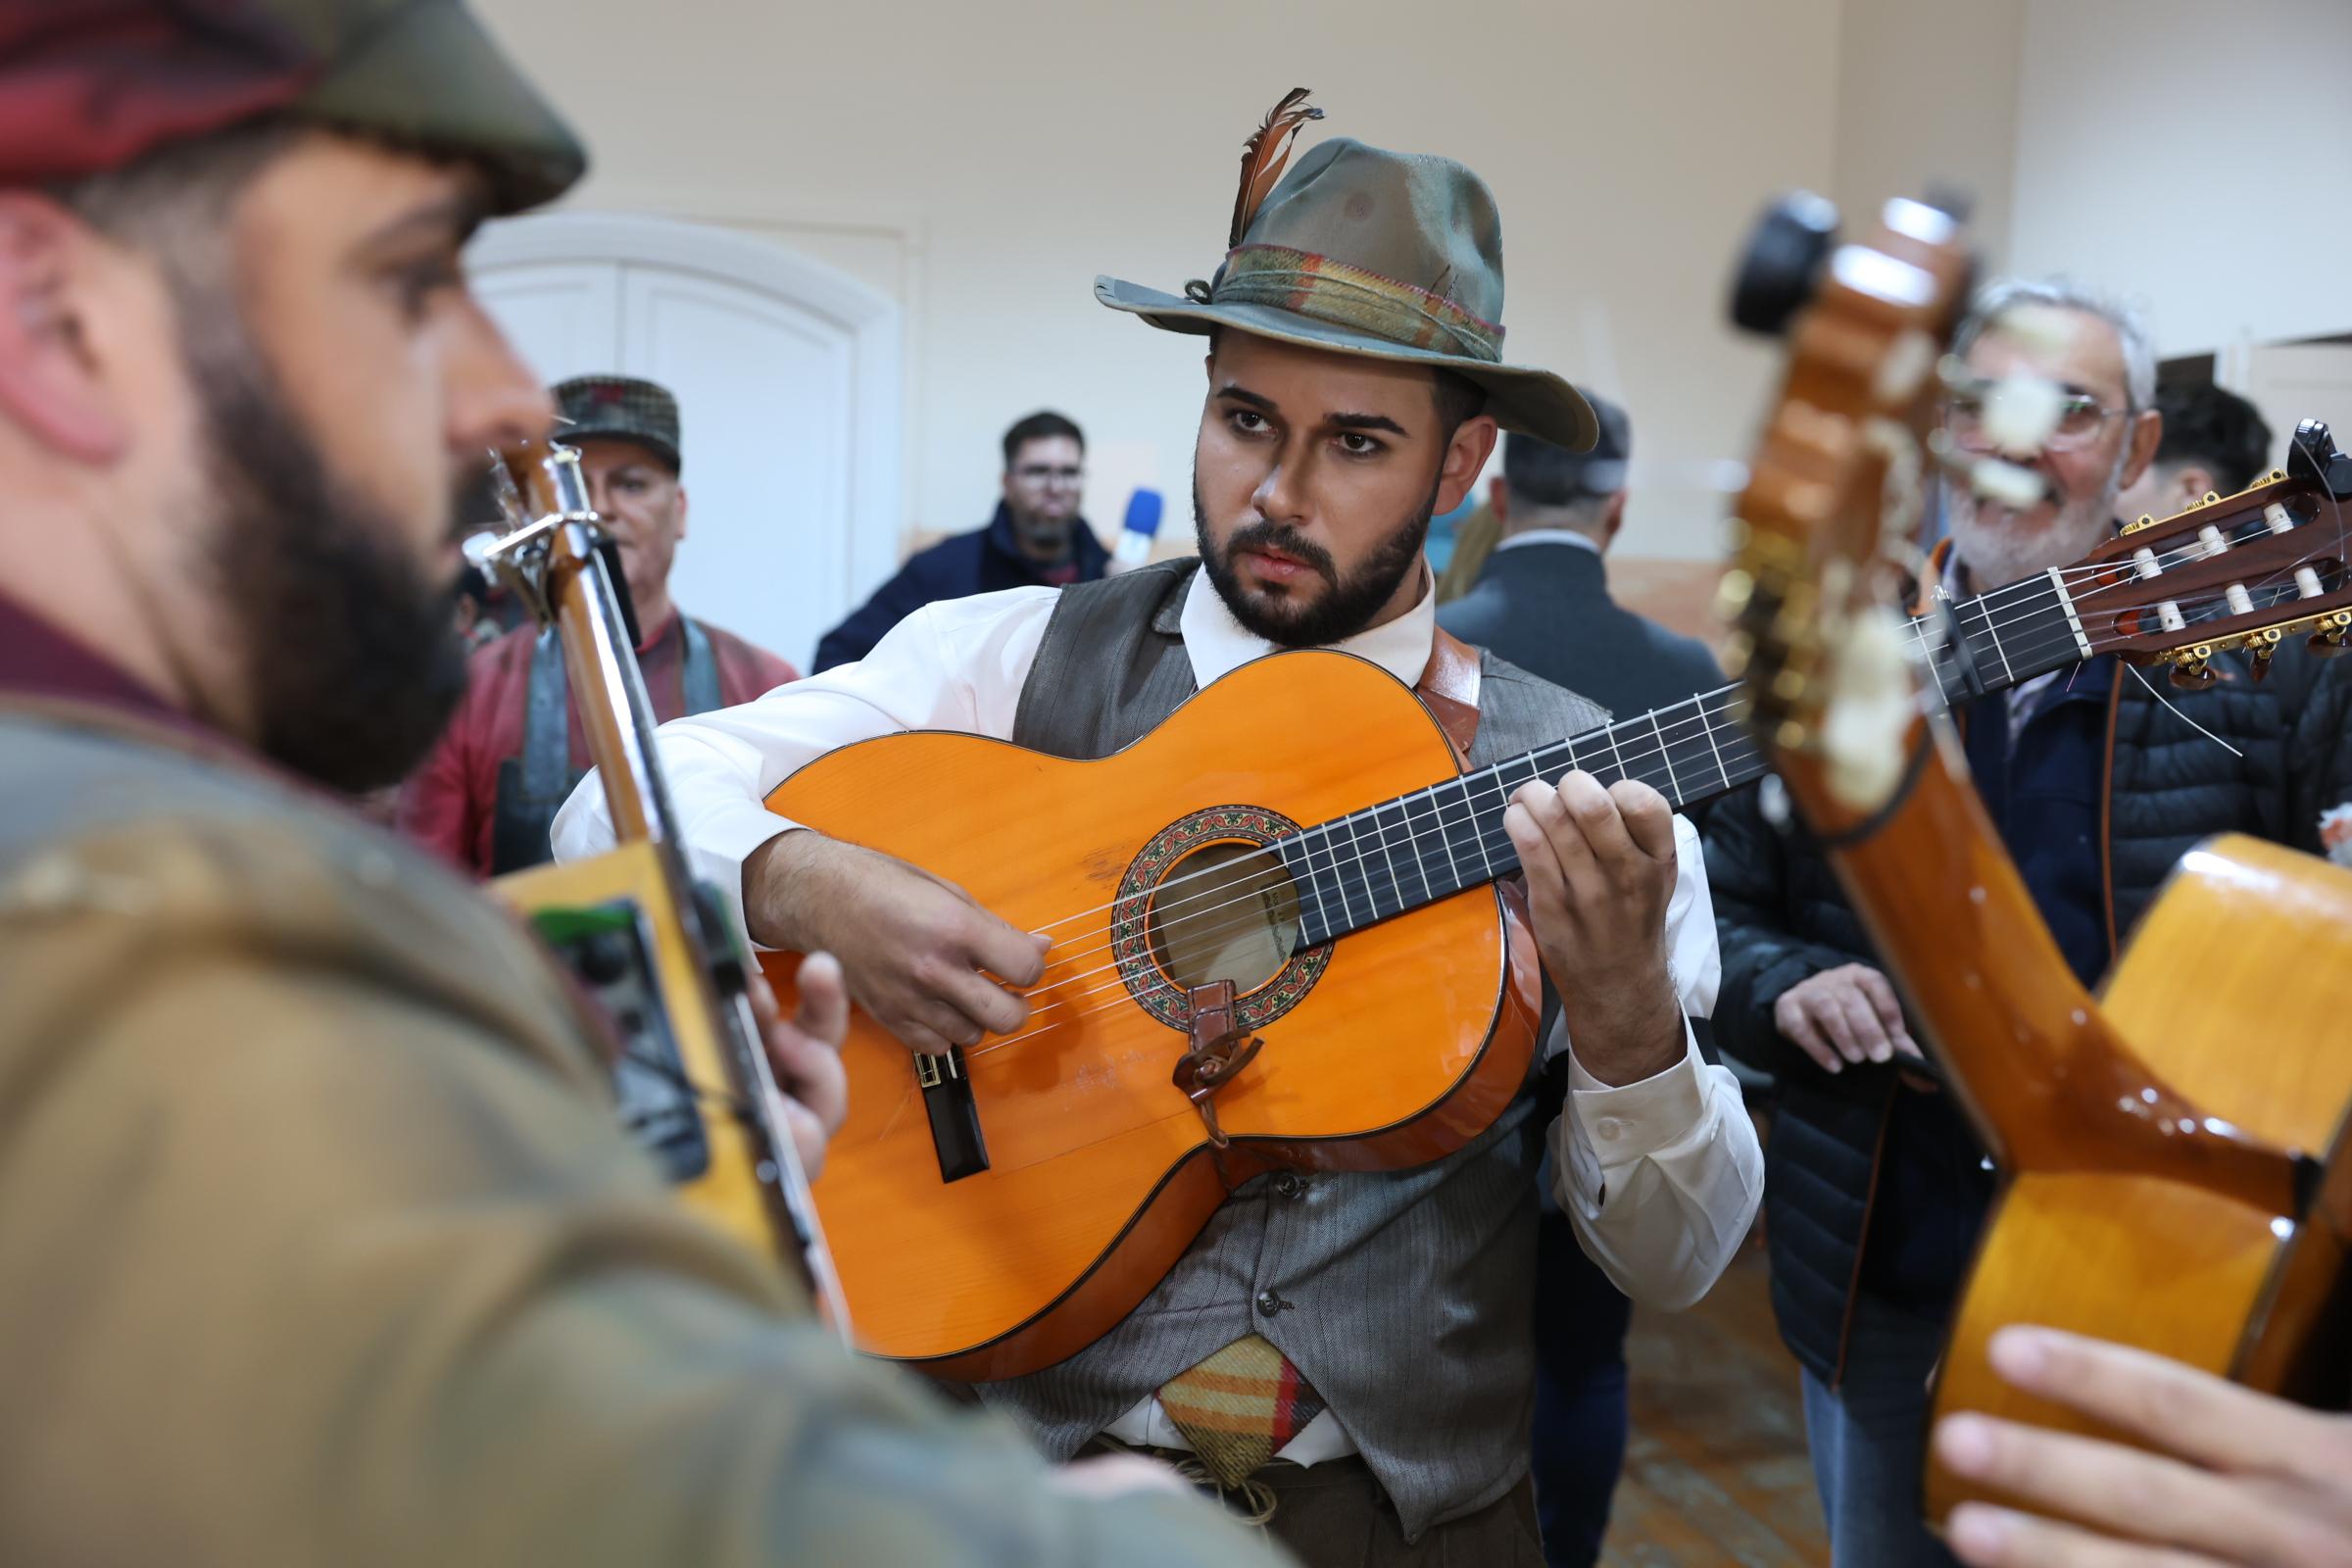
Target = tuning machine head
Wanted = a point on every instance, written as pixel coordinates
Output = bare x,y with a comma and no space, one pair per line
2193,668
2329,639
1781,266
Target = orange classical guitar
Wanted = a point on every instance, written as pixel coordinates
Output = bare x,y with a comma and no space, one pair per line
2173,1151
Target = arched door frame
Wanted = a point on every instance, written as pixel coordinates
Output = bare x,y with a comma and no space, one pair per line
870,319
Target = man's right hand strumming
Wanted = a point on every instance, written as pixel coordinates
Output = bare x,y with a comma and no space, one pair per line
923,959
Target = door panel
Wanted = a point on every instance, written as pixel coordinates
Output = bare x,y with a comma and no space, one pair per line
764,391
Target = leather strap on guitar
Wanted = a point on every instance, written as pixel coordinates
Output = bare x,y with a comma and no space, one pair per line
1448,689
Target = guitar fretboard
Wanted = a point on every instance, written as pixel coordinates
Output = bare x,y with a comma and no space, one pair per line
1369,866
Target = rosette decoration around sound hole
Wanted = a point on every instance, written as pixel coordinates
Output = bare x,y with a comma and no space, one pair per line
1206,900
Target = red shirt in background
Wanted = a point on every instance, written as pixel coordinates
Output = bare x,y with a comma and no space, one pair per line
449,804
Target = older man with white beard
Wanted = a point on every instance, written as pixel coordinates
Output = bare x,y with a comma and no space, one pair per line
1875,1188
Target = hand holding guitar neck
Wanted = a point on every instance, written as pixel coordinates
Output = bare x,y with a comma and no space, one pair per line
917,950
1601,867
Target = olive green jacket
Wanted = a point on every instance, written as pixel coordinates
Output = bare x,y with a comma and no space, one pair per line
318,1243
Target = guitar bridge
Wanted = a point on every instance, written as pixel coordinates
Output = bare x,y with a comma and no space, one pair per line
955,1115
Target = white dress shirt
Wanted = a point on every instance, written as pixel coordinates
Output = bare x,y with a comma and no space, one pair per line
1660,1178
1548,536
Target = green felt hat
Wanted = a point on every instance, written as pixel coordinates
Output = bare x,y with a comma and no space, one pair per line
1392,256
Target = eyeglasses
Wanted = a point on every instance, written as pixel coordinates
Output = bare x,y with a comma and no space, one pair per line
1044,474
1973,408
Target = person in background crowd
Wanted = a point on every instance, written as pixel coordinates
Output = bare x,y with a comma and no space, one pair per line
322,1240
1541,601
485,797
2214,443
1036,538
1876,1185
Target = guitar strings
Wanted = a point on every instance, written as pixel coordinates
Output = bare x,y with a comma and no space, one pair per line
1919,631
1341,862
1632,764
1486,844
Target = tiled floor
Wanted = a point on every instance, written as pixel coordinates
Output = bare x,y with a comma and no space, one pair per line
1716,1472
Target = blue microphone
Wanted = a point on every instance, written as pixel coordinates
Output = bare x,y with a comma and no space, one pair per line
1137,533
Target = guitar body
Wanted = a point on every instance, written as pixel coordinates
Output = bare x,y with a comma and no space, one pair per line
660,1005
1390,1046
2215,992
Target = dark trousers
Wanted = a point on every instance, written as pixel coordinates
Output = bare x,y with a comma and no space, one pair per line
1869,1440
1336,1516
1581,1407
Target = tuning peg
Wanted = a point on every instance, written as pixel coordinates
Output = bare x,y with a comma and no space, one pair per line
2330,640
1781,263
2193,672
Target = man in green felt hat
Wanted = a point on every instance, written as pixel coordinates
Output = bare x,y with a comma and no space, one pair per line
320,1239
1349,1350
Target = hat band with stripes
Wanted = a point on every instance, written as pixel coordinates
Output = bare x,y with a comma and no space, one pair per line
1324,289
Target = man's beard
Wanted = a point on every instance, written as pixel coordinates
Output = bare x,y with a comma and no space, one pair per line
1347,605
1998,552
353,660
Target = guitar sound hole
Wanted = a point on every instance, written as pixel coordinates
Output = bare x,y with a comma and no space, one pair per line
1226,911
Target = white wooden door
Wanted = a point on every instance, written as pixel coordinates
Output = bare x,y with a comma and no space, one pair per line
2290,382
787,380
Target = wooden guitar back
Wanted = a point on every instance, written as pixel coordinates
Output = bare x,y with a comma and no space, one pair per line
1377,1048
2233,990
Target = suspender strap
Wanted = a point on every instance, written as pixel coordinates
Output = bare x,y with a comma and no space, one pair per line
1448,689
547,771
546,728
702,669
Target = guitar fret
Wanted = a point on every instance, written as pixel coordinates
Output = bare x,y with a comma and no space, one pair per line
1470,817
1314,882
1436,815
1617,751
1985,613
1706,721
1387,856
1674,787
1360,881
1404,824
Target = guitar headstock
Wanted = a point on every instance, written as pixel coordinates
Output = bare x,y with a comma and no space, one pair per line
1842,450
2233,572
540,491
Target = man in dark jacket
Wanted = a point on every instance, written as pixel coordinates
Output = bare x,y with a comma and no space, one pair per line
1036,537
1541,601
2099,781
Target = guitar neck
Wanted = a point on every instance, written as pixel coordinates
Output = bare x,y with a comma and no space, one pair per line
1378,862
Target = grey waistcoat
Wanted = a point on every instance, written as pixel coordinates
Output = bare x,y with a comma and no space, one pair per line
1403,1297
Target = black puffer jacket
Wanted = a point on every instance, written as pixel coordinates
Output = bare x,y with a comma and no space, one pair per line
1783,918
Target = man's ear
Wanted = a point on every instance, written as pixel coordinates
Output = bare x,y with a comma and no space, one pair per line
2147,430
681,511
52,380
1499,498
1612,518
1465,455
2196,482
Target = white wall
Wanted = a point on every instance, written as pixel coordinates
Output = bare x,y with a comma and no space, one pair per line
1926,95
983,162
2193,154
